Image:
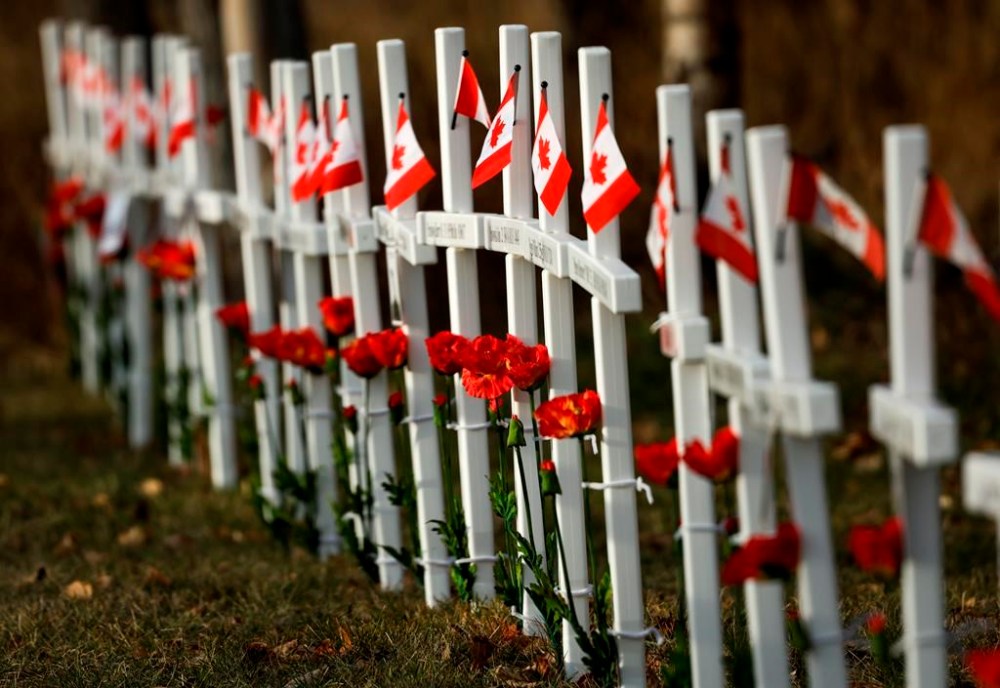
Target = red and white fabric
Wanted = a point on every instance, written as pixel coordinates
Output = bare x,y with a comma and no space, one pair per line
499,141
814,199
182,120
469,99
549,164
143,110
945,232
661,217
261,124
343,168
723,230
113,127
408,169
302,156
608,187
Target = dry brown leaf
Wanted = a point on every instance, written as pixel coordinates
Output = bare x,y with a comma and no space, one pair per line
133,537
946,502
481,649
151,488
66,545
820,339
256,651
94,557
4,480
101,500
286,649
155,578
79,590
103,581
345,640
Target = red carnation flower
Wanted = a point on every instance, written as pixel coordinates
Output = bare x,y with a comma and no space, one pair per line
484,372
391,347
765,557
361,359
878,549
657,462
338,314
446,351
235,316
528,366
571,415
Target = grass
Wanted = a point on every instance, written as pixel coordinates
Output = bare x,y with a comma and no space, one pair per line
118,571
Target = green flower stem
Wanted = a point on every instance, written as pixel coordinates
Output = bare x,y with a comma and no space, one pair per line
536,438
365,434
591,560
524,491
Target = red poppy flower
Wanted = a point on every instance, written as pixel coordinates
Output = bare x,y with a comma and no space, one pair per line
303,348
66,191
984,665
484,371
765,557
528,365
875,623
361,359
91,211
878,549
256,384
391,347
338,314
446,351
721,462
571,415
235,316
658,461
171,260
268,343
396,407
440,400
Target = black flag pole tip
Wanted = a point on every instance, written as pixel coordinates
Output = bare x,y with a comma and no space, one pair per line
605,97
928,174
465,53
517,68
346,96
670,141
545,84
727,139
402,95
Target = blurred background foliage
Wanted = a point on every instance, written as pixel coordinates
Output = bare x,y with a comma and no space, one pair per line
834,71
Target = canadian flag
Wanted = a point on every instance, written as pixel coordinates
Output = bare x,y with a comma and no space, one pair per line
114,123
140,103
664,207
499,141
344,166
548,160
409,169
723,231
261,124
814,199
302,154
181,119
469,99
945,232
607,186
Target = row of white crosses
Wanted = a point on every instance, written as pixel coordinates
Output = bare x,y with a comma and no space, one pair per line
767,395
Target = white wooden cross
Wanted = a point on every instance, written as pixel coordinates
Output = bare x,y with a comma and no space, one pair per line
736,368
405,261
920,432
559,324
687,333
138,307
803,408
204,225
304,237
611,362
981,488
460,234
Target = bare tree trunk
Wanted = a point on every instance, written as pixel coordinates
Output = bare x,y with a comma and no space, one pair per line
701,46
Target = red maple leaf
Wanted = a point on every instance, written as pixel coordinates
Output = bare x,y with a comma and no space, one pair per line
543,153
336,145
842,215
735,214
495,134
597,164
397,157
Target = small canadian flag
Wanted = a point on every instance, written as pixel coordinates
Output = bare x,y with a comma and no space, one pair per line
548,160
608,187
260,123
814,198
499,142
662,215
144,112
114,123
723,231
322,152
945,232
181,120
409,169
344,167
469,99
302,154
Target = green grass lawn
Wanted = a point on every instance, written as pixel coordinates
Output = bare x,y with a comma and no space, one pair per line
116,570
